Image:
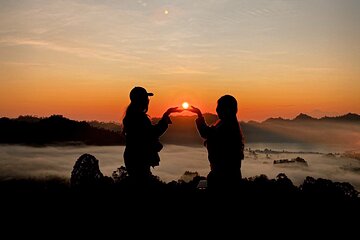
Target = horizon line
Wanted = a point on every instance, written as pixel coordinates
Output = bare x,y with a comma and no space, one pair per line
246,121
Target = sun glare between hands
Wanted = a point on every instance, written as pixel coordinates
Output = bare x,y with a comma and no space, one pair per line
185,105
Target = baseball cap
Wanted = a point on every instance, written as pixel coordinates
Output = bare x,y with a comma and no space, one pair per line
139,93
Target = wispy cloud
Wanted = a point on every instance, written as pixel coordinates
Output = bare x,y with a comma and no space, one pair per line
182,70
26,64
318,69
96,53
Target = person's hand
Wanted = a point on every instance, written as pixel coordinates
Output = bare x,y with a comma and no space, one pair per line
195,110
173,110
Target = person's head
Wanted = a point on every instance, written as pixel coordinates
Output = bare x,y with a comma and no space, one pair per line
139,98
226,107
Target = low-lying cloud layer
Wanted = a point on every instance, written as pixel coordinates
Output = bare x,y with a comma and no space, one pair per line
22,161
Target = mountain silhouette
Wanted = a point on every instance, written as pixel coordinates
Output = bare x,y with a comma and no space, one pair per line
274,120
57,129
349,117
304,117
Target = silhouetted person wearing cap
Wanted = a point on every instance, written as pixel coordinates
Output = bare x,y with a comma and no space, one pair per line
142,137
225,145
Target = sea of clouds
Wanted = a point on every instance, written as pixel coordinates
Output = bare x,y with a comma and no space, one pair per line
23,161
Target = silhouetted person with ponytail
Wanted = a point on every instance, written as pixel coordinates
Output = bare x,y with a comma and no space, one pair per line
142,137
225,144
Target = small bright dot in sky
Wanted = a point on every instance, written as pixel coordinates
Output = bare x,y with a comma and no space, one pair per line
166,12
185,105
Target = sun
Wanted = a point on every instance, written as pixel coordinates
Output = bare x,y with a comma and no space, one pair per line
166,12
185,105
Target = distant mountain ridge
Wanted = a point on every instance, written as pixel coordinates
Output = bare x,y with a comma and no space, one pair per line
57,129
338,130
302,128
350,117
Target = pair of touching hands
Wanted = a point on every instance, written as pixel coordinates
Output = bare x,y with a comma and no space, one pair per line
178,110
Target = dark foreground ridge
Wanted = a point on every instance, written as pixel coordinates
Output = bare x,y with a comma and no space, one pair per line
93,203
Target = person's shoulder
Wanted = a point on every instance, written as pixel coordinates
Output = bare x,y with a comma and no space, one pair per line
137,118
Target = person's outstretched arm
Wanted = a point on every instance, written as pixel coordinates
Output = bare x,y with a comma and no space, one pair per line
164,122
201,125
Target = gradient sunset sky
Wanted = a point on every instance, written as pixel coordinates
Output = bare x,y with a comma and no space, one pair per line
277,57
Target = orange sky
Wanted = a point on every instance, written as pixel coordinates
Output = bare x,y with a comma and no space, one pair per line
81,60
